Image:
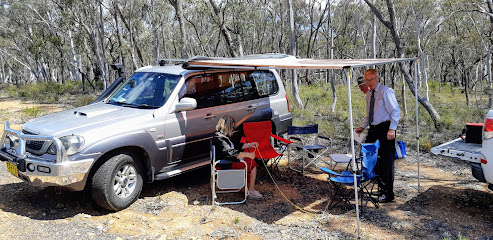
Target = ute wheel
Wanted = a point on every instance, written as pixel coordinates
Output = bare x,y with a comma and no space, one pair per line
118,182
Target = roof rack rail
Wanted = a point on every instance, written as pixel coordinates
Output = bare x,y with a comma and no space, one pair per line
164,61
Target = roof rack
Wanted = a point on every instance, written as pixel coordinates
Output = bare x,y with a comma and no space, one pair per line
164,61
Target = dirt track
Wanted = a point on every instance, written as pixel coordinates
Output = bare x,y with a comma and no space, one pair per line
450,203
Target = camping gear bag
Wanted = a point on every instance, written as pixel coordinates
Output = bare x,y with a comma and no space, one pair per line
400,150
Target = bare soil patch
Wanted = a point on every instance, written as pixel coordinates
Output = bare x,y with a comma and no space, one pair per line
450,202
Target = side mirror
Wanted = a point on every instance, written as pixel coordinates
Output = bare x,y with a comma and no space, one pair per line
186,104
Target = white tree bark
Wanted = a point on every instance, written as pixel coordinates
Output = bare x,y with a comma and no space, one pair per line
294,78
330,30
75,64
421,54
104,64
155,42
490,99
360,31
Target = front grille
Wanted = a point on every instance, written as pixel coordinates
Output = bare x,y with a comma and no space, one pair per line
33,145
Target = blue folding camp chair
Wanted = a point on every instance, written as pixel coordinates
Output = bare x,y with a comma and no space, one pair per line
307,153
366,181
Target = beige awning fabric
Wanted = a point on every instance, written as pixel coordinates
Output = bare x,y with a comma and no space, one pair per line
291,63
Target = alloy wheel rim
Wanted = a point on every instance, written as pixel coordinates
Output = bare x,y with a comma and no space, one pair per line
125,181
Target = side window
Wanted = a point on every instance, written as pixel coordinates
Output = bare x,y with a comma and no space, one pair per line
224,88
231,90
204,88
265,83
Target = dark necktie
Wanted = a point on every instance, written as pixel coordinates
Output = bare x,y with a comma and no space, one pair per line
372,105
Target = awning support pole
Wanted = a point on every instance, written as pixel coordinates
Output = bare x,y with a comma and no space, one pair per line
353,159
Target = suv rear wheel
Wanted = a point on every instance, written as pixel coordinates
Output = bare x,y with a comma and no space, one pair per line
118,182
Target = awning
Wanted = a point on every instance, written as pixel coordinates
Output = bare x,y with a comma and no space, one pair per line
281,61
287,62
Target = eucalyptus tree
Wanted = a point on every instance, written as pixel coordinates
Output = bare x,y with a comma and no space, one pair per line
391,25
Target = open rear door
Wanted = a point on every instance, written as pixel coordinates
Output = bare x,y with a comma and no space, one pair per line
458,148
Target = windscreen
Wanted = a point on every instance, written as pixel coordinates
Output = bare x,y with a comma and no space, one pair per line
145,90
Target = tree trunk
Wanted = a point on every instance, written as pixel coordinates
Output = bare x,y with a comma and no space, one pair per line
360,31
75,65
476,79
132,37
224,31
374,38
490,99
118,35
178,6
104,65
294,79
331,53
421,54
391,25
403,93
466,85
155,42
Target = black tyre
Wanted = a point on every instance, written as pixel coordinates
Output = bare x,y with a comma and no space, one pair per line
118,182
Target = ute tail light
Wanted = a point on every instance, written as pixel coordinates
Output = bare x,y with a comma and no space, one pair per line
488,128
287,101
483,161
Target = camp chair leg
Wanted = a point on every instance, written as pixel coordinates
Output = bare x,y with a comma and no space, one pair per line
290,161
338,196
312,157
368,193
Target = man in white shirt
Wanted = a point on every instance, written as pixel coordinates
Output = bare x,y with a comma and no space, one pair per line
382,116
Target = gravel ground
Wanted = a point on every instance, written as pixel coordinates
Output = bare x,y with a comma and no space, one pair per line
450,204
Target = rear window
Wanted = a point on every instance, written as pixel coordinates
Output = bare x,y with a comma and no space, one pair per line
225,88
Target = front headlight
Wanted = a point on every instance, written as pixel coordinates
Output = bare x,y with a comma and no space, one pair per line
72,144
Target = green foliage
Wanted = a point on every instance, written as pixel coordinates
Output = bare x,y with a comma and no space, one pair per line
425,144
450,104
459,237
44,92
318,110
237,220
84,100
31,112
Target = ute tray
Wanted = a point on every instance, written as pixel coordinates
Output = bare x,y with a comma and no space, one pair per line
458,148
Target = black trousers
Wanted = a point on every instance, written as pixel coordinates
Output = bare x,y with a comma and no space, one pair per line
386,153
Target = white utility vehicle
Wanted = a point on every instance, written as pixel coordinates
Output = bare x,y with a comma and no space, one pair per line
479,154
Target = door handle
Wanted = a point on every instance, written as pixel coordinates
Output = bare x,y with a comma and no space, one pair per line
251,108
210,115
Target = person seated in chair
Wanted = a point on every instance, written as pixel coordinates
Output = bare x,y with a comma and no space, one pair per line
227,150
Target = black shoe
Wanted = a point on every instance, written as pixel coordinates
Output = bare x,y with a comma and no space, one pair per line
385,199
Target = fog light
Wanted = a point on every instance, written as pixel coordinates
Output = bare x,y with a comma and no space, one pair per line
44,169
30,167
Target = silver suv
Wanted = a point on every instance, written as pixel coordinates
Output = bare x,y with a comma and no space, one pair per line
154,125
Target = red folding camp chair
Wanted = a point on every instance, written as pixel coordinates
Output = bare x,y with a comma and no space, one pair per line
261,132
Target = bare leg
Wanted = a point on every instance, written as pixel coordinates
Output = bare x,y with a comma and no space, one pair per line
251,180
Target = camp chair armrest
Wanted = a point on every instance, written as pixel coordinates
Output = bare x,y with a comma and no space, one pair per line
281,140
327,170
227,161
296,138
324,137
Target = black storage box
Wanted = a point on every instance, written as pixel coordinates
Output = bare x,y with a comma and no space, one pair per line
474,133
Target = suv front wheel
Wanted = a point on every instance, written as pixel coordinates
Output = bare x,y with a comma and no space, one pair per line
118,182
